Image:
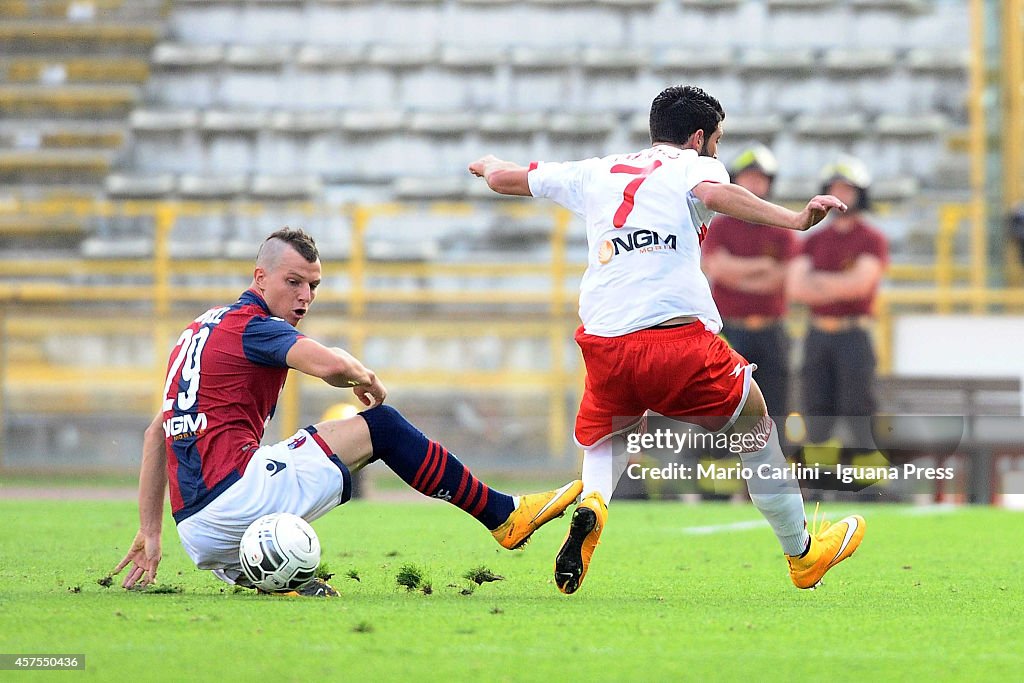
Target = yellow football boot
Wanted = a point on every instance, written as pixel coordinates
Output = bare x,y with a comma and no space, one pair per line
573,559
534,511
830,545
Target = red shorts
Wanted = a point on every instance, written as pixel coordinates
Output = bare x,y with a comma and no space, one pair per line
681,372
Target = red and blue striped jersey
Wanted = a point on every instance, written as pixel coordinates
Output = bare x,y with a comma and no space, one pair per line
223,381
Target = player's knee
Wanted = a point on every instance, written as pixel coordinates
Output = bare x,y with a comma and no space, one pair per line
388,427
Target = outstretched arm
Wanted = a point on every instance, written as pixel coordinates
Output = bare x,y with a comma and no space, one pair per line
739,202
145,553
504,177
338,368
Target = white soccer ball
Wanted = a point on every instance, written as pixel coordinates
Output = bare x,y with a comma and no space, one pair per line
279,552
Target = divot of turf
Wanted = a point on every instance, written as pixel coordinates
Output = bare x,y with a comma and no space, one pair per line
410,576
324,572
481,575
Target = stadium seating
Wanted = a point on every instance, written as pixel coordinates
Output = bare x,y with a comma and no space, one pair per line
245,90
71,73
467,56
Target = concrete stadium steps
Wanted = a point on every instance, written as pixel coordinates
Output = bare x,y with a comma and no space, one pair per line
41,37
388,144
59,70
71,71
34,134
56,166
67,101
25,234
76,10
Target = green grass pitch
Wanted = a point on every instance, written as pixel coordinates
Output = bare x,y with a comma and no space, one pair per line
931,595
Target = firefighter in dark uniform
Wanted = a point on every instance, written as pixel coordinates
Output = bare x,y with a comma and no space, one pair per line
746,264
837,275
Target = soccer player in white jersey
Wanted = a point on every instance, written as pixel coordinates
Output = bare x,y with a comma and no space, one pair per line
649,333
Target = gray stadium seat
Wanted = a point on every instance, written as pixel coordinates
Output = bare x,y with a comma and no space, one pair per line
119,186
938,59
830,126
614,59
711,4
278,187
530,57
799,4
895,189
558,3
401,56
461,57
852,63
164,120
211,187
582,125
909,6
117,247
742,129
258,56
690,60
184,55
777,61
792,24
313,121
233,121
330,56
165,141
798,189
429,188
500,124
630,4
511,135
442,123
366,121
923,125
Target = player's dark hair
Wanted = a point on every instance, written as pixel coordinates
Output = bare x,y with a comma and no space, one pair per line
680,111
299,240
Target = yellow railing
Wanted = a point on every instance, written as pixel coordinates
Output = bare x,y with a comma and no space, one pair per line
161,300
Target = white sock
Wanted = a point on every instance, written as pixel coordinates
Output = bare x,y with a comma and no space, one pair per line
602,468
779,500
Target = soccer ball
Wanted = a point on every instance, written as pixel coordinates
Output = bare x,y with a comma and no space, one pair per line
279,552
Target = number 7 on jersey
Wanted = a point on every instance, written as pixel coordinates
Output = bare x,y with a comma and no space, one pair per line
629,194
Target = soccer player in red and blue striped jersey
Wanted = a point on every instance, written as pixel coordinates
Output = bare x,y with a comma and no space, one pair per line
224,376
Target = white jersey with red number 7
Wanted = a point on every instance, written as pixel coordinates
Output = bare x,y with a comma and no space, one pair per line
644,231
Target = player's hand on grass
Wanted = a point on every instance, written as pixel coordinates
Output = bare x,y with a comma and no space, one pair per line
817,209
144,557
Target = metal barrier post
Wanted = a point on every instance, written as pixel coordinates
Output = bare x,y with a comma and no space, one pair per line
357,264
557,417
979,154
949,217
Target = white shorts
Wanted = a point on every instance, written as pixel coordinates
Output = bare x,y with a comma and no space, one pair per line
300,476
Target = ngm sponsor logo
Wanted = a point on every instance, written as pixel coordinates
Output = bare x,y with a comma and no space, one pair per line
640,241
184,426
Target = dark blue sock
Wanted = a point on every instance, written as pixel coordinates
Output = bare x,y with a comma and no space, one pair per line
426,466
